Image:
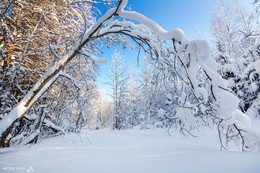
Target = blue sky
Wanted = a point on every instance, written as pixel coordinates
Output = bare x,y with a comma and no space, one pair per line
189,15
185,14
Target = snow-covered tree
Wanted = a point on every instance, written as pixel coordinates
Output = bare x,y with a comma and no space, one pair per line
236,30
146,92
132,101
156,101
30,44
100,111
118,82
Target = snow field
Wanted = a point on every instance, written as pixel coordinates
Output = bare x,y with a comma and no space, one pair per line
130,151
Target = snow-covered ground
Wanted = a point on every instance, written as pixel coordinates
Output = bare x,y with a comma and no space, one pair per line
130,151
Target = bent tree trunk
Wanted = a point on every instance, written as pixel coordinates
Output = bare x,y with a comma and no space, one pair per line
49,78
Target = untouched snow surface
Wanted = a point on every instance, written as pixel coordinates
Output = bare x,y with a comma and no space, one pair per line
131,151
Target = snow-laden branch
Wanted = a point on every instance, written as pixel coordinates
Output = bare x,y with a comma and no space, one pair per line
52,48
175,34
54,127
226,102
71,78
93,57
